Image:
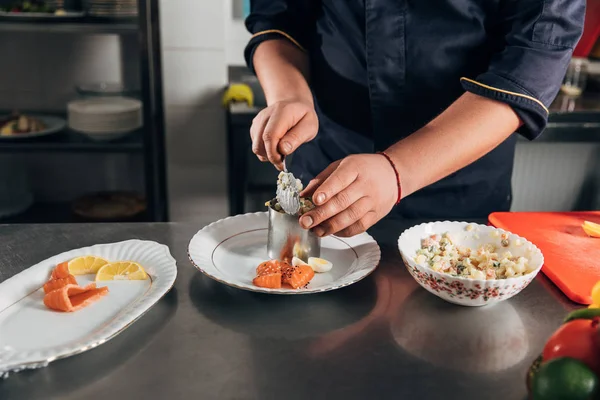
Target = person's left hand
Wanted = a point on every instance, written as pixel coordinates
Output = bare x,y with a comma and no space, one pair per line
351,195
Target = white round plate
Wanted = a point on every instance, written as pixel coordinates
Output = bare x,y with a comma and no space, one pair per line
229,251
54,125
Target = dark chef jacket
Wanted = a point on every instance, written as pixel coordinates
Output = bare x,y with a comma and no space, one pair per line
382,69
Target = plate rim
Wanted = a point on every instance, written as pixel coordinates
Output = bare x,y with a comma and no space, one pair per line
95,340
374,253
128,104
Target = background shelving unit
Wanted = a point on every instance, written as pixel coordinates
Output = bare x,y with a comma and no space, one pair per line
149,141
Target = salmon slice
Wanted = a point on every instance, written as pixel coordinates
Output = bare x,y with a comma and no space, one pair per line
299,276
270,281
286,269
71,298
268,267
61,271
54,284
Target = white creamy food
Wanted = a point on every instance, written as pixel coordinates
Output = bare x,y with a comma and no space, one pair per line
286,180
487,262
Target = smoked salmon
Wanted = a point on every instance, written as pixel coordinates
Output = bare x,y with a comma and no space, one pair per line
268,267
71,298
273,274
54,284
61,271
299,276
270,281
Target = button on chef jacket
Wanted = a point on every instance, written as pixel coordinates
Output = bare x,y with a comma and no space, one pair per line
382,69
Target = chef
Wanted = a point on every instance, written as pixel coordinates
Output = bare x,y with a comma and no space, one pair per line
405,106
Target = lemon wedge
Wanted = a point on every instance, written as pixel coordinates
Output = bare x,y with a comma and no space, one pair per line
86,265
121,270
591,229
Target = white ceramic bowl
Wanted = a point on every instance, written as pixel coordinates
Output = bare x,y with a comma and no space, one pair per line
465,291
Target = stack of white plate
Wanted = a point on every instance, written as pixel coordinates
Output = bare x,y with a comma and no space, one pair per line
113,8
105,118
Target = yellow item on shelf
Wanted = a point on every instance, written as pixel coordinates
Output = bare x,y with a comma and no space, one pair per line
238,92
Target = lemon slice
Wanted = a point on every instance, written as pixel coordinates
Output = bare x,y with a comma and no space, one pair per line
121,270
86,265
591,229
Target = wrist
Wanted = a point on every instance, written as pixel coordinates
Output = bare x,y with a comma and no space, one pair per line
397,178
294,96
404,173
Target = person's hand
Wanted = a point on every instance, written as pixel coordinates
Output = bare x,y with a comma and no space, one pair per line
281,128
351,195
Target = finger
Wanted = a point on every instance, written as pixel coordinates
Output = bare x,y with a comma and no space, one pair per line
318,180
276,127
256,130
341,202
301,133
344,175
358,227
344,219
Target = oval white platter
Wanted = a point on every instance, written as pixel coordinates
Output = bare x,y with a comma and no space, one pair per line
229,251
32,335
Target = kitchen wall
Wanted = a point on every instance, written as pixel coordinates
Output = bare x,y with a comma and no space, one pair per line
200,38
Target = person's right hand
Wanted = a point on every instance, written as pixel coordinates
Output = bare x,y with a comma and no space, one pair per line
281,128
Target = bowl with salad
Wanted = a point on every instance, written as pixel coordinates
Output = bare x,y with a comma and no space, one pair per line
469,264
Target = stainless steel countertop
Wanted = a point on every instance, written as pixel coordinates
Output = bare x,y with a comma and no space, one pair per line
381,338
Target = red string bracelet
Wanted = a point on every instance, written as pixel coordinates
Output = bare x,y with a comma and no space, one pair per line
397,175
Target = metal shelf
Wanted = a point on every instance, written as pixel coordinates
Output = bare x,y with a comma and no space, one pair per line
89,25
144,31
70,141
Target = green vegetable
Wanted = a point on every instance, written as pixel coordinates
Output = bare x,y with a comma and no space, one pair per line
564,379
583,313
533,369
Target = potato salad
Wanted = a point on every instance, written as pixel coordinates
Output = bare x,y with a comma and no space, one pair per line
486,262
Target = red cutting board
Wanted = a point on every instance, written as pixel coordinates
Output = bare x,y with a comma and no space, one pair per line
571,257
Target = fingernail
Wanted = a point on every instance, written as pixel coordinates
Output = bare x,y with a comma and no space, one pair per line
307,221
287,147
320,198
319,231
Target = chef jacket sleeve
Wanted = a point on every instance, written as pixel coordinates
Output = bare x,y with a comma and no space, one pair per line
279,19
526,73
